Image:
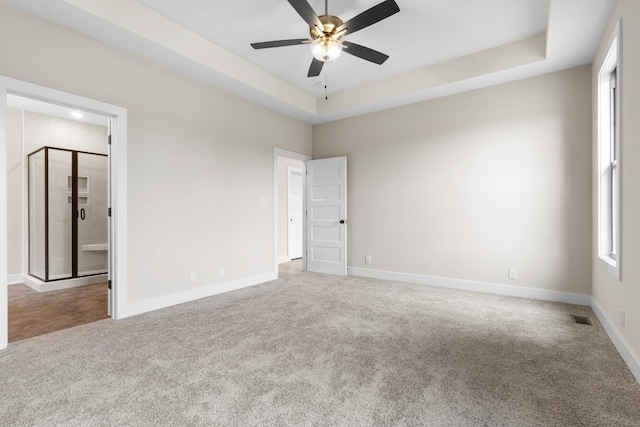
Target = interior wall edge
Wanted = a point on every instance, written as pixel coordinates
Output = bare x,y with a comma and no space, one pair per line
278,154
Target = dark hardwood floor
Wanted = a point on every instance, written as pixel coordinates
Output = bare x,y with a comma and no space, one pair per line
32,313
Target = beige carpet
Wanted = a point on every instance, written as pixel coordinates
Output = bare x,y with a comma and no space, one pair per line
318,350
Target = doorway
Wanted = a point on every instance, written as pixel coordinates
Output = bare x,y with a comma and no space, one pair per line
324,212
116,119
58,197
295,209
289,202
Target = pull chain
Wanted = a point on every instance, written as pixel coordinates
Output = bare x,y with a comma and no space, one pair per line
326,93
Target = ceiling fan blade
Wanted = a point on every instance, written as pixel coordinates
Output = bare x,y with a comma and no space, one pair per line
307,13
364,52
370,16
279,43
315,68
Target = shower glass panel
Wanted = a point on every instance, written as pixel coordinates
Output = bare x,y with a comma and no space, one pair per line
92,214
59,167
68,222
37,233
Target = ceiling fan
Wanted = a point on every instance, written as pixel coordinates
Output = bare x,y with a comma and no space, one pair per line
327,33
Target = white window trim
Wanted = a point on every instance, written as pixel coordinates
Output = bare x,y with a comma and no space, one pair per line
608,259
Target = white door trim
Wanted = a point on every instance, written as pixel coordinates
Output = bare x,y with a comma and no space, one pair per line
278,152
293,171
118,184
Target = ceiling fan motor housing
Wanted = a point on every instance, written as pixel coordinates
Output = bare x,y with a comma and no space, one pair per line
331,24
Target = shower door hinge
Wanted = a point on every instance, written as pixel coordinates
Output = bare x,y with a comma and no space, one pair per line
109,140
109,212
109,284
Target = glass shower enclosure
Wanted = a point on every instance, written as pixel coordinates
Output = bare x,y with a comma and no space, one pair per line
68,217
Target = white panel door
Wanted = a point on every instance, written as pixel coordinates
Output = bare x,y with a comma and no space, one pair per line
295,208
327,216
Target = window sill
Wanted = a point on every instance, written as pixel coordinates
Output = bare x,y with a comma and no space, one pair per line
610,265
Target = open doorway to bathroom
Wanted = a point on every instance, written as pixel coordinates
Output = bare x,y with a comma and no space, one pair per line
57,212
289,213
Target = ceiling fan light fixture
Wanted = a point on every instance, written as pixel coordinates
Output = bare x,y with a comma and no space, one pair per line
326,48
327,31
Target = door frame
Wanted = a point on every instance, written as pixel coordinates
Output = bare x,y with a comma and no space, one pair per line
292,171
278,152
118,187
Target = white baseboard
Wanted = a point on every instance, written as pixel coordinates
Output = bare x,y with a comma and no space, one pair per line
630,358
283,259
165,301
14,279
40,286
468,285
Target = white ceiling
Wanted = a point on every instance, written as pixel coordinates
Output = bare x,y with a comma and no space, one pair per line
436,47
424,32
56,110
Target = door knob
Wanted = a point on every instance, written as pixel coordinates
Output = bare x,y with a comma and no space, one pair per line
342,221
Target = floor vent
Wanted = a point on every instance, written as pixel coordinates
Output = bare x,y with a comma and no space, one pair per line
582,320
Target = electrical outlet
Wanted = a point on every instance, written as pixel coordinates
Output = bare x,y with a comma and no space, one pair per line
513,274
263,202
194,276
221,271
622,317
367,259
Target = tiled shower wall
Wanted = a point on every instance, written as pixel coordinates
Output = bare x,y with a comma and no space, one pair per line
40,130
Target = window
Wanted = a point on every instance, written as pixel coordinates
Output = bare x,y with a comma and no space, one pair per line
609,158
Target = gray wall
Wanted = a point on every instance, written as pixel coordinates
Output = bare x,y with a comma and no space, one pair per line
465,187
199,160
610,294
